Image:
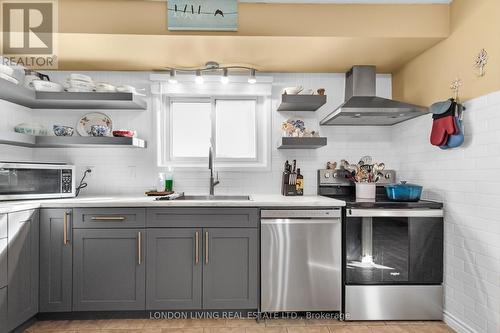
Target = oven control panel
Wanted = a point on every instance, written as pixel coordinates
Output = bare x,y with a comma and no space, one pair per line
337,177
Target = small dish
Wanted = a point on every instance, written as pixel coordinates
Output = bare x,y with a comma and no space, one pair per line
80,85
99,130
47,86
104,87
60,130
95,118
124,133
80,77
129,89
307,92
31,129
292,90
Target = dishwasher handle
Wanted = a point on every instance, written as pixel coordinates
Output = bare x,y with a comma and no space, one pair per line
313,214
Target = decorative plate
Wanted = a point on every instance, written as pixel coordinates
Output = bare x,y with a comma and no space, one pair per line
95,118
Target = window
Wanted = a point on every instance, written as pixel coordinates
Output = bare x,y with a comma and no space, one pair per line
237,129
192,131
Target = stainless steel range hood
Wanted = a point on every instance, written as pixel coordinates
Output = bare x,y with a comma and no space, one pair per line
363,108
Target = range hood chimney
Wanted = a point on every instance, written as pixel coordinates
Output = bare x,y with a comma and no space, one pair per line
363,108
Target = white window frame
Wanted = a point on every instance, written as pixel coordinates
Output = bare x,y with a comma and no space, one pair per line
262,160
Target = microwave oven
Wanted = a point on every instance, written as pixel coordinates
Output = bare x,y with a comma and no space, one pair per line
23,181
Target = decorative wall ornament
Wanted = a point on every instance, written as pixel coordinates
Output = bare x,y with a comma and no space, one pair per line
208,15
481,61
455,87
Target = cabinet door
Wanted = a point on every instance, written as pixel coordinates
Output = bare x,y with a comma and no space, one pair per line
108,269
174,269
3,310
230,268
55,260
22,261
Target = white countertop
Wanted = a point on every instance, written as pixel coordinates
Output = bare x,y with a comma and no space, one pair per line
257,200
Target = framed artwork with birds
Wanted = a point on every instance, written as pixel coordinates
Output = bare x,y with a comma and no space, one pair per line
214,15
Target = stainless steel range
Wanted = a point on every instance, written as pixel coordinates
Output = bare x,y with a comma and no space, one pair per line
393,253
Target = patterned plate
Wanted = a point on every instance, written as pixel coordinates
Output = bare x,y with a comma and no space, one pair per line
95,118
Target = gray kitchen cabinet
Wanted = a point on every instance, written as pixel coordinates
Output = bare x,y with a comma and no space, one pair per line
56,261
3,262
174,269
22,261
3,310
108,269
230,268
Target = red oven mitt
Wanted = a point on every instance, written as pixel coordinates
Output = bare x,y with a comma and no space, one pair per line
442,128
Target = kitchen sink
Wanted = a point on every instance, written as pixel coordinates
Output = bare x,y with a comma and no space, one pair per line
216,197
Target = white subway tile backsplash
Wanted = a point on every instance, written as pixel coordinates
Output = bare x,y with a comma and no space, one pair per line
465,179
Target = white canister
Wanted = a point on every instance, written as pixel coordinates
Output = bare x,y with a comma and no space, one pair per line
365,190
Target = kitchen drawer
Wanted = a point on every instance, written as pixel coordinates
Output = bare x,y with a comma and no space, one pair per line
3,262
93,218
203,217
3,225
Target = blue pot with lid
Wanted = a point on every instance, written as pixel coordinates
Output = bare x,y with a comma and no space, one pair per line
403,192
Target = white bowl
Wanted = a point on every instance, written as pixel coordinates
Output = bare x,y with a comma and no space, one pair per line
80,84
292,90
80,77
126,88
7,70
40,85
104,87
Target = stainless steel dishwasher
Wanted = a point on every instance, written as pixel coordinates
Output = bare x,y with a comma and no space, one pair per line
301,260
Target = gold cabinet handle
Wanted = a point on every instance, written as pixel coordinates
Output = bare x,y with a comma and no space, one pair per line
108,218
206,247
197,248
139,248
65,226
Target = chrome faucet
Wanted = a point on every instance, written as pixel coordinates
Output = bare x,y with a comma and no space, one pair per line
213,182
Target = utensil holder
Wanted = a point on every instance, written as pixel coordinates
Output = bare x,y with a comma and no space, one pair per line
365,190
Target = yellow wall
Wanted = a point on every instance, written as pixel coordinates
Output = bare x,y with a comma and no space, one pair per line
475,24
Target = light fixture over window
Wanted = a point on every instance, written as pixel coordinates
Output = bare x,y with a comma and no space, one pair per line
199,78
252,79
224,78
172,78
211,67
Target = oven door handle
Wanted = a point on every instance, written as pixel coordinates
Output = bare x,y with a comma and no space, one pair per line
394,212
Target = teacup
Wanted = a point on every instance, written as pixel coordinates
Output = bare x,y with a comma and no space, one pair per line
60,130
99,130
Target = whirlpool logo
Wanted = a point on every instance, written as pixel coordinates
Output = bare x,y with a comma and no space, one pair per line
28,32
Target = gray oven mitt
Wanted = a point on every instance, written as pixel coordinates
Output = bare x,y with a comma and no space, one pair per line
440,107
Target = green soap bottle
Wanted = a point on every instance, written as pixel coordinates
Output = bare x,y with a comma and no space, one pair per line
169,180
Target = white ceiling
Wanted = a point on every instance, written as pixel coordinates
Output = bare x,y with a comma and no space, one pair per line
352,1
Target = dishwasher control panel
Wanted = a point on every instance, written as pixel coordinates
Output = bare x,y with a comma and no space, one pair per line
302,214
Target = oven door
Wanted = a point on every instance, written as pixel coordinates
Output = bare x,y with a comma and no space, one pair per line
399,246
35,181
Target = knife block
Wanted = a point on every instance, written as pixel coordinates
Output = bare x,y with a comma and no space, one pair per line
286,188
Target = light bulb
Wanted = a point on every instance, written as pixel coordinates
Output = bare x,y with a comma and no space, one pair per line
172,78
199,78
252,79
224,78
